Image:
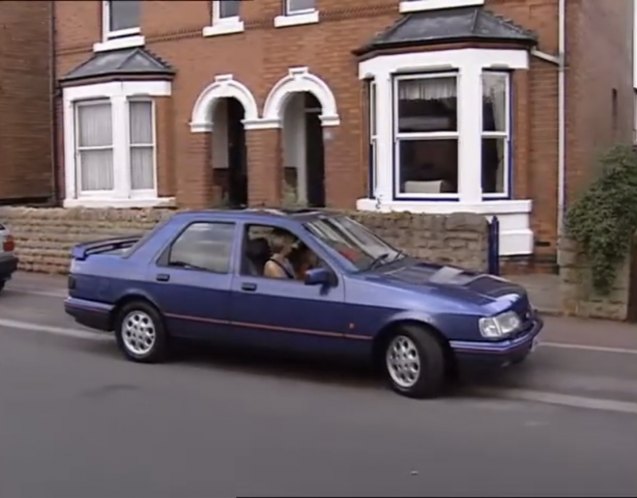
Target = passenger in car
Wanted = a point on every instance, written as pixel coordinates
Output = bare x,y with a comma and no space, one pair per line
281,245
303,259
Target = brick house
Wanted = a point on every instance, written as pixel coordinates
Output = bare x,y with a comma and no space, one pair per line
491,106
26,166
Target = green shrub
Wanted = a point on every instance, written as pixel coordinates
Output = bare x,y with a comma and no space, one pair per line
604,219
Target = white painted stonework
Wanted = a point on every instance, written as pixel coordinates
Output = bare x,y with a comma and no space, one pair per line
516,236
299,79
224,86
420,5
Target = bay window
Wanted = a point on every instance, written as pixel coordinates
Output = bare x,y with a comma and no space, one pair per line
495,134
441,137
426,135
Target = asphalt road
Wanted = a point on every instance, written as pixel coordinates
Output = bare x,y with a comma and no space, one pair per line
76,420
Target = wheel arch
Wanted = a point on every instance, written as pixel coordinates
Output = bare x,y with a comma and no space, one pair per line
129,297
390,328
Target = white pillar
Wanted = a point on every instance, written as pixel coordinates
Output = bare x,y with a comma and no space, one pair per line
384,137
470,142
121,133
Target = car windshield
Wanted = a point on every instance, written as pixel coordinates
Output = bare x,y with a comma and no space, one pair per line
359,246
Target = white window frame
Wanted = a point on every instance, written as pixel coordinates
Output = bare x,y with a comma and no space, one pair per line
506,135
373,135
119,94
118,39
420,136
296,17
78,149
223,25
420,5
142,193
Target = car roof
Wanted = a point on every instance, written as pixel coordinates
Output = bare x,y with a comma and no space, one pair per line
259,214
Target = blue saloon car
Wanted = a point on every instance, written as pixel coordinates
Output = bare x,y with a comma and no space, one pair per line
204,275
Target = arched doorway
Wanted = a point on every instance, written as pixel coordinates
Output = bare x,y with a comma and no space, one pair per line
303,151
229,153
223,108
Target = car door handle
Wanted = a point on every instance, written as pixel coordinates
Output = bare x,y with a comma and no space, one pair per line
162,277
249,286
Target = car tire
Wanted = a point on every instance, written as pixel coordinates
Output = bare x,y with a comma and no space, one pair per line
414,362
2,284
140,333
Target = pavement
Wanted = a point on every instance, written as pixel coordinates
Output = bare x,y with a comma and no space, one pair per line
77,420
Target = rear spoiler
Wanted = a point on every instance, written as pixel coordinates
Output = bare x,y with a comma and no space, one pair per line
82,251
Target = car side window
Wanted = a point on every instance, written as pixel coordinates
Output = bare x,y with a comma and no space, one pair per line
203,246
273,252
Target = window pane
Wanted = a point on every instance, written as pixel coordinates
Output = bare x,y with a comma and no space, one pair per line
205,246
372,108
428,166
141,163
96,170
94,124
427,105
494,101
141,122
124,14
299,5
494,163
229,8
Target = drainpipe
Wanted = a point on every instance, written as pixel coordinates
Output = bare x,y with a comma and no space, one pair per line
561,120
54,116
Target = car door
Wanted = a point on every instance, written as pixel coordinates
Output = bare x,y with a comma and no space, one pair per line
287,313
192,279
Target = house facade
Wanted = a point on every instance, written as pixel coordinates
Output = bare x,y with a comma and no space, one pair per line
26,166
495,107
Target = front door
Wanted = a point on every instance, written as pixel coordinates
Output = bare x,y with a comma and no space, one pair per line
314,157
192,281
284,312
237,156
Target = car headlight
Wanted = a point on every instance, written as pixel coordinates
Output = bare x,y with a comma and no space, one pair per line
501,325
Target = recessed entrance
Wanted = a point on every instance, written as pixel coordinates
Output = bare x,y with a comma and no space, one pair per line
303,152
229,153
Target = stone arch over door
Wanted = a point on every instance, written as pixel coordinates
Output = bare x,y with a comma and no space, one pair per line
300,80
223,87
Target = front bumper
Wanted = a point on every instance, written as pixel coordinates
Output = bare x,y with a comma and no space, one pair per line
8,266
499,352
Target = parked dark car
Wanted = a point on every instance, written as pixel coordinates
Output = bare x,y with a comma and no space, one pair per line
8,259
199,275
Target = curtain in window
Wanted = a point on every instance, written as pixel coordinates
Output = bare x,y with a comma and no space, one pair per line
95,146
427,89
142,147
494,90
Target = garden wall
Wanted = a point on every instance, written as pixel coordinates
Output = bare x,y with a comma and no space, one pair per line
44,236
578,296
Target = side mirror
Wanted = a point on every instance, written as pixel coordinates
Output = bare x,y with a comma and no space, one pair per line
317,276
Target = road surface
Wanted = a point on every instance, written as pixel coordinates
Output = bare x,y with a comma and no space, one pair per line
76,420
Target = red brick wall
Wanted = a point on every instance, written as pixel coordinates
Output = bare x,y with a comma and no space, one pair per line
261,56
599,60
25,103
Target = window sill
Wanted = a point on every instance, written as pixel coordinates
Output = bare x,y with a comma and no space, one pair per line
105,202
296,20
516,236
223,28
119,43
419,5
